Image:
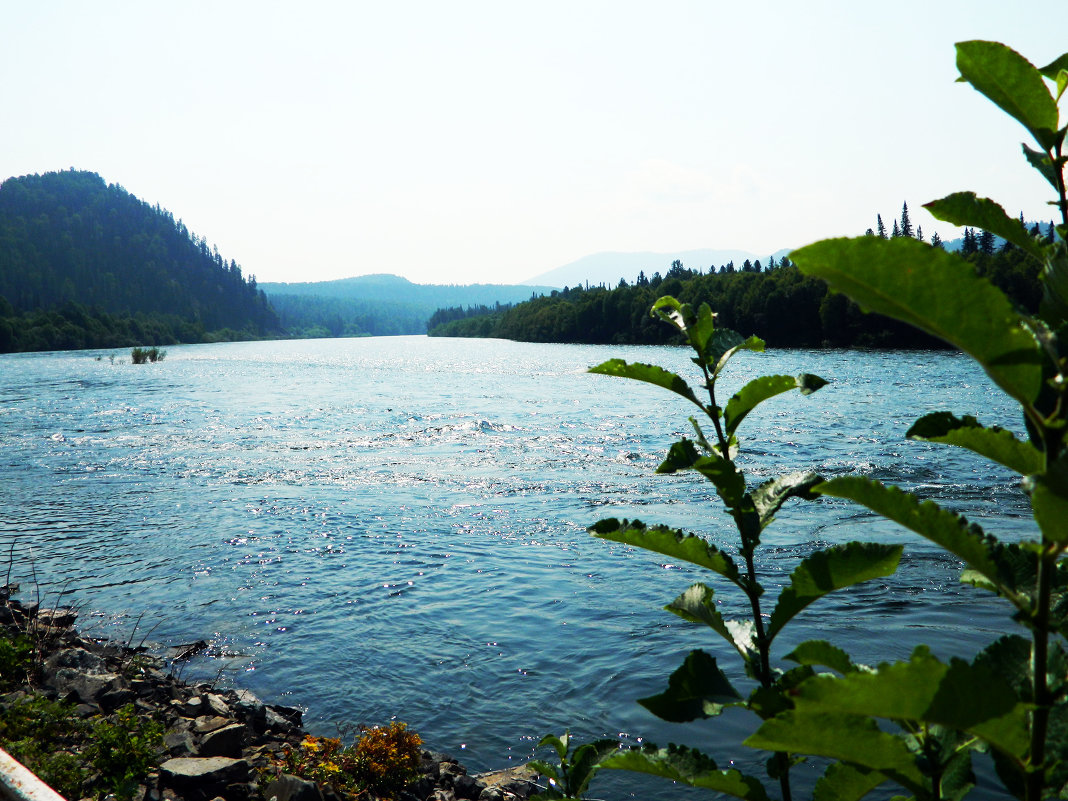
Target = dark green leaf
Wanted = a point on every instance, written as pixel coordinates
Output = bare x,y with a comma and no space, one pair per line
949,530
585,764
1049,501
842,782
698,689
771,495
829,570
965,208
1013,83
544,768
729,483
696,605
726,343
761,389
767,702
937,292
651,374
1043,163
1009,658
960,696
1054,306
669,542
1055,67
821,652
698,327
997,444
687,766
558,743
849,738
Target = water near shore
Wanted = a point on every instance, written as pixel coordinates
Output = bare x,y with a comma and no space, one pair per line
396,526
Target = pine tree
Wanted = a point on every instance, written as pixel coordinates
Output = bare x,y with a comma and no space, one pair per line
771,262
879,226
936,241
970,245
919,232
986,243
906,224
896,232
869,232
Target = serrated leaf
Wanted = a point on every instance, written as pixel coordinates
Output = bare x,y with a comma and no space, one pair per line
696,605
935,291
650,374
761,389
669,542
687,766
849,738
771,495
965,208
727,343
1009,657
842,782
697,689
821,652
828,570
729,482
1012,83
1049,501
997,444
949,530
956,695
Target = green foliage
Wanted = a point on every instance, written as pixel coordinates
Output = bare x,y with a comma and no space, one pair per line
123,748
16,659
1010,700
379,763
700,688
570,778
41,735
144,355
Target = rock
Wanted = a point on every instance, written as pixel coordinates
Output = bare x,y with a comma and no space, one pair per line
112,699
86,688
58,618
467,787
292,788
77,659
179,743
200,772
225,742
205,724
218,705
491,794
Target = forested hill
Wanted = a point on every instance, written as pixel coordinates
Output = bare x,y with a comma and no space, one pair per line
776,303
86,264
380,304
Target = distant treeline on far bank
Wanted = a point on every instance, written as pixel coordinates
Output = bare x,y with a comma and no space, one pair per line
775,302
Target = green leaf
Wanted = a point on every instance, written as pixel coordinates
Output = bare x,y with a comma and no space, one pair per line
964,208
761,389
697,689
1043,163
669,542
935,291
729,483
687,766
842,782
771,495
585,764
821,652
1012,83
1049,501
997,444
829,570
849,738
544,768
957,695
727,343
699,328
651,374
947,529
558,743
696,605
1054,305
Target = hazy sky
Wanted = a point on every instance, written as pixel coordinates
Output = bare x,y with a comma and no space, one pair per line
460,142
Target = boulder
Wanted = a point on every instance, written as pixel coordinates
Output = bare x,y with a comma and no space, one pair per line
225,742
201,772
291,788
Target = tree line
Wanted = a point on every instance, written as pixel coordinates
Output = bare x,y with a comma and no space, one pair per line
773,301
86,264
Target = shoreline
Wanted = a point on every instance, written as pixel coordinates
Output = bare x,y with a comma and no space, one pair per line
209,743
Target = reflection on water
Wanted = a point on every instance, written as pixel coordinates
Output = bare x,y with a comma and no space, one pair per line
396,526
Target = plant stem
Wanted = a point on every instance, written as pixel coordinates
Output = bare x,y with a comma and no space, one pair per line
1039,661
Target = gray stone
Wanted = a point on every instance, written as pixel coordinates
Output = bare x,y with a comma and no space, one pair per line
202,771
491,794
292,788
226,741
112,699
77,659
179,743
466,787
205,723
86,687
218,705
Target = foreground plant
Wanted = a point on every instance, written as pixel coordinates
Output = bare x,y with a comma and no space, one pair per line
700,688
1012,699
379,764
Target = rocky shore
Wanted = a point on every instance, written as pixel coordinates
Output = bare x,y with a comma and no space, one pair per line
216,743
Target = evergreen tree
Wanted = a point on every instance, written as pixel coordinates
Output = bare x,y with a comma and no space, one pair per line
771,262
970,245
986,243
896,232
936,241
906,223
919,232
879,227
869,232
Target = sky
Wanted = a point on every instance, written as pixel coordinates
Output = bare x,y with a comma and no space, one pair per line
490,142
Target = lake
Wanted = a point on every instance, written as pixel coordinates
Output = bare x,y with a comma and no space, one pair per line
395,527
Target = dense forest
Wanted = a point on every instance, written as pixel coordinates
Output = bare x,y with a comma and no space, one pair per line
379,304
84,264
773,301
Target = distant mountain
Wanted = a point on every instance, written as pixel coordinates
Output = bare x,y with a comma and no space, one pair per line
608,268
380,304
72,245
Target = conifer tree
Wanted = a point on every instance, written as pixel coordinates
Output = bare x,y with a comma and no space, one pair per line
895,232
879,226
869,232
919,232
986,243
936,241
906,224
